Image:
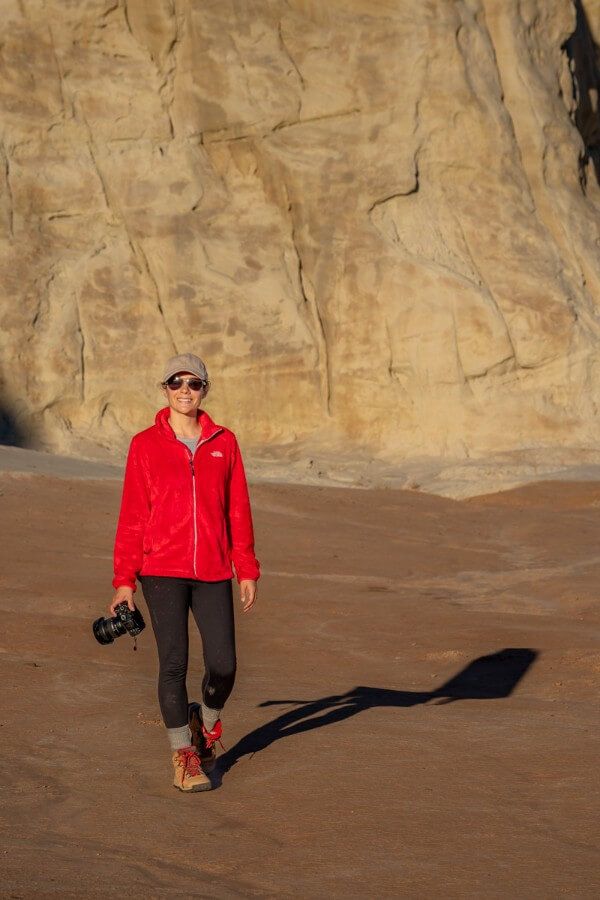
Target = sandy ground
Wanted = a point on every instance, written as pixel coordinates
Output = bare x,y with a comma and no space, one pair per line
415,715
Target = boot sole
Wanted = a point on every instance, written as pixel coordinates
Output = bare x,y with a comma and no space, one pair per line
195,789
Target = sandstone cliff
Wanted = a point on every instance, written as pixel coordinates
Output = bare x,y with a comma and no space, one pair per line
376,221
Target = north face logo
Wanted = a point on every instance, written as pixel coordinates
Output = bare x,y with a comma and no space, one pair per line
216,453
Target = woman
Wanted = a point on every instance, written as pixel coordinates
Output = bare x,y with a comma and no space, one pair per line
185,518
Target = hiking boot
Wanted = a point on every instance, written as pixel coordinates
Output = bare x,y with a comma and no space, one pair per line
188,772
202,739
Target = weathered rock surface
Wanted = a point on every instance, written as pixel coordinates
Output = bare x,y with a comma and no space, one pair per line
377,222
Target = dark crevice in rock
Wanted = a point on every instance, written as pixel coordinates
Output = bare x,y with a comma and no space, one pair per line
584,62
310,300
17,428
81,341
341,114
126,17
159,303
11,432
294,66
9,196
396,194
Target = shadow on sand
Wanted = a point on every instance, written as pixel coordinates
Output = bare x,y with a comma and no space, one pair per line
489,677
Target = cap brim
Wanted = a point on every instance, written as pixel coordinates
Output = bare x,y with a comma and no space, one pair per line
191,371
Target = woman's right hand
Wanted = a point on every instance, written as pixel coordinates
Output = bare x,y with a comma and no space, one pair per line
123,594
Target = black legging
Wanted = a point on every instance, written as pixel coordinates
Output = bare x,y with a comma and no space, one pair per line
211,602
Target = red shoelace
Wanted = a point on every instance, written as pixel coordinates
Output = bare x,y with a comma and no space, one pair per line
214,736
191,761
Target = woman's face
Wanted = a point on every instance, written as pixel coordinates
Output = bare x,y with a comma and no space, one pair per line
184,399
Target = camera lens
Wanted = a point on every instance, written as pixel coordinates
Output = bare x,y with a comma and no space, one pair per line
106,630
101,633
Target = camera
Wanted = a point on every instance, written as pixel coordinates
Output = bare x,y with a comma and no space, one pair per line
126,620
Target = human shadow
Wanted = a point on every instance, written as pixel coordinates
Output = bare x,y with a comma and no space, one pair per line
490,677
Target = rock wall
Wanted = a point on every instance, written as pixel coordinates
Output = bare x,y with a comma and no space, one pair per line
376,221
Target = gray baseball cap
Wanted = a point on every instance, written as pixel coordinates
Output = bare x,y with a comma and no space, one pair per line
185,362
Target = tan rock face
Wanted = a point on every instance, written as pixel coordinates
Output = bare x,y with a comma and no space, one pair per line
377,222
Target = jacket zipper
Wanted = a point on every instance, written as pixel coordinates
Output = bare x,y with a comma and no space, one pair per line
198,445
194,508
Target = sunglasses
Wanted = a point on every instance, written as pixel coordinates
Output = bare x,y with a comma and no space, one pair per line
194,384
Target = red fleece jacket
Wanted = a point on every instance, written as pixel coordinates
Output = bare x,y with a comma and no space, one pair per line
181,515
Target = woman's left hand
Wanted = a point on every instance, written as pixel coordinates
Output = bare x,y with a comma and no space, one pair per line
247,593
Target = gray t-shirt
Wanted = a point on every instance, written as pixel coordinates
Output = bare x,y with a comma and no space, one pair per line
191,443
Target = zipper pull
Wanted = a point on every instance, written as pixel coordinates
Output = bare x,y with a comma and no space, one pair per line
192,465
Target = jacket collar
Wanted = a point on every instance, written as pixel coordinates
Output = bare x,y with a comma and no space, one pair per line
208,426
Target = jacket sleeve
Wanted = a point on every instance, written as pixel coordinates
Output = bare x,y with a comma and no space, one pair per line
241,532
133,518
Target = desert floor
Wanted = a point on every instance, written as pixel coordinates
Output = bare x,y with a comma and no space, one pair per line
415,713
